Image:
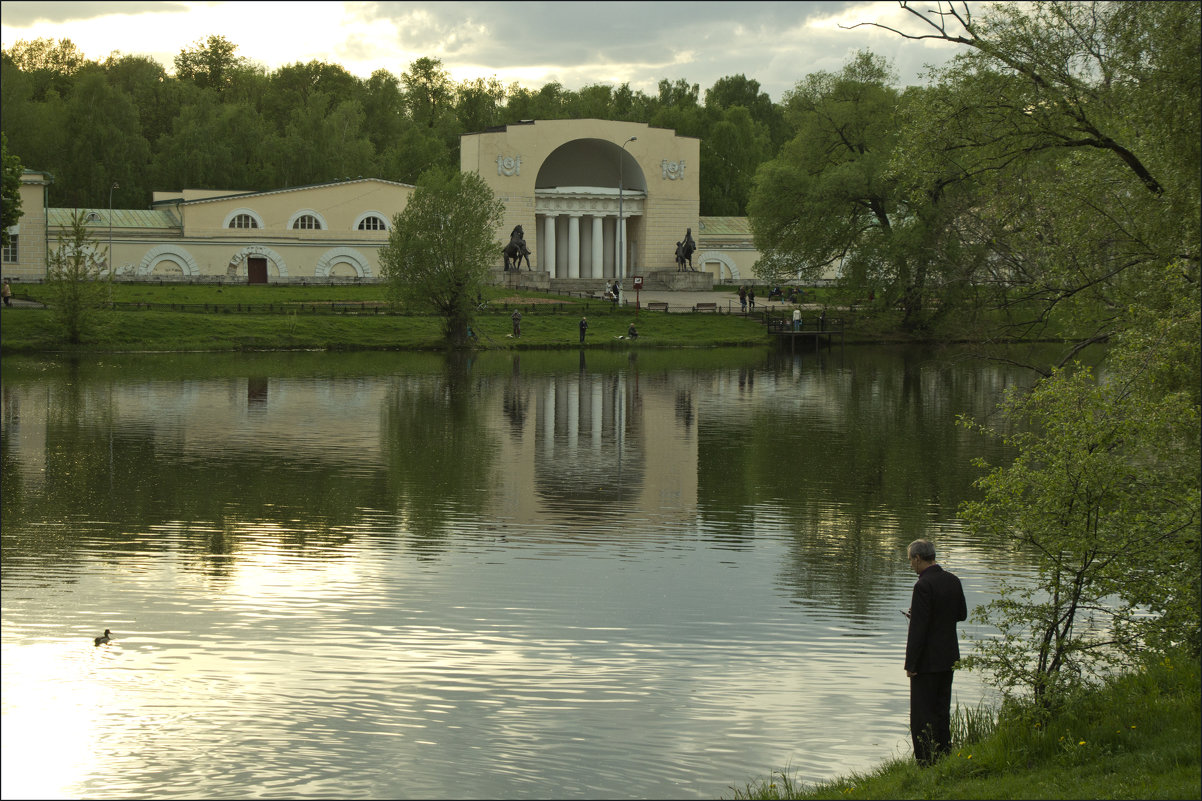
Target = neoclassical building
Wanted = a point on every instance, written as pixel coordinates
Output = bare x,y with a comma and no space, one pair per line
597,200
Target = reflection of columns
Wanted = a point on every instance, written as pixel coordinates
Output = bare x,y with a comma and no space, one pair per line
548,421
598,248
595,402
573,413
549,246
573,246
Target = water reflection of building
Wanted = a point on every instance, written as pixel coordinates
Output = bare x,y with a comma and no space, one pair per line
596,446
572,446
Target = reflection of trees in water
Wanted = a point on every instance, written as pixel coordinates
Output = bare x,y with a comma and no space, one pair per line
856,463
588,445
440,452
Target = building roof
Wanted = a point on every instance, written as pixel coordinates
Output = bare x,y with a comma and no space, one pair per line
724,226
178,201
122,218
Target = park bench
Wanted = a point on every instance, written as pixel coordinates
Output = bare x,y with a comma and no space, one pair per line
657,305
713,307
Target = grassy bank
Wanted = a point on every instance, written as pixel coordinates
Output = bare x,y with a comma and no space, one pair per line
204,317
1136,737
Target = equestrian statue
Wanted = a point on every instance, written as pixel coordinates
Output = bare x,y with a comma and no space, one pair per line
516,250
684,251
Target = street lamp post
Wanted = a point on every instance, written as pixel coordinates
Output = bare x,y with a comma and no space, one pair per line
110,259
620,267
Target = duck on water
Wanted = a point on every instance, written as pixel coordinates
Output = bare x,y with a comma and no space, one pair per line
104,640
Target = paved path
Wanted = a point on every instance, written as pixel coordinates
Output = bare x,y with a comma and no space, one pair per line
684,300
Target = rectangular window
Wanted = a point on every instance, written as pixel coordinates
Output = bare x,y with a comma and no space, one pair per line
10,254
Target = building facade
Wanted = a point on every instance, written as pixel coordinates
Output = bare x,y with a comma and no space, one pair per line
597,200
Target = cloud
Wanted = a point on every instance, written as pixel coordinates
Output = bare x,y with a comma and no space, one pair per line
21,14
530,43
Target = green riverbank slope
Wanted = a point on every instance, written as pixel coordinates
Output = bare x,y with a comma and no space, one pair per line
1136,737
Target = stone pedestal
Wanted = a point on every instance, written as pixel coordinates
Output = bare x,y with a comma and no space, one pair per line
522,279
674,280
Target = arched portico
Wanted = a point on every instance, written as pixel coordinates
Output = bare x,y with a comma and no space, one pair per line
588,196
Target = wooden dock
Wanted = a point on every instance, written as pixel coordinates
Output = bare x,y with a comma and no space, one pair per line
814,333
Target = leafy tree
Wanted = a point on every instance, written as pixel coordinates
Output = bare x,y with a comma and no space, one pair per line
384,109
827,195
739,90
105,146
11,203
1087,187
75,274
1105,494
156,98
52,65
210,63
478,104
429,93
731,152
441,247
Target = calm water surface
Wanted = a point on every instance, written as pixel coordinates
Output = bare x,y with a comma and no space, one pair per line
546,576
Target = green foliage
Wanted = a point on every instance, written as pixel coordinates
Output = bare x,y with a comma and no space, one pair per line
1105,493
442,246
10,205
76,283
210,63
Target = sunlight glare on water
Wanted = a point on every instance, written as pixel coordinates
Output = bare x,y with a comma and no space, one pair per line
483,581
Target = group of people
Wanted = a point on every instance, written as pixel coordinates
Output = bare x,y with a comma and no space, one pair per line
613,292
746,297
792,294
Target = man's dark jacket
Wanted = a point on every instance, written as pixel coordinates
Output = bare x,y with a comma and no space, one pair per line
937,605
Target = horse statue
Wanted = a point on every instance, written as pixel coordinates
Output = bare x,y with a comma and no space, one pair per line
516,250
684,250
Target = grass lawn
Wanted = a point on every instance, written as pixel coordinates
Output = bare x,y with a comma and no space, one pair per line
244,317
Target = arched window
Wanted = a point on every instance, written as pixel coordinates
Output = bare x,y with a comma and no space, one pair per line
307,221
373,223
244,221
92,217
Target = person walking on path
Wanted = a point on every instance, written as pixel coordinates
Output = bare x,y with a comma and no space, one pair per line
932,650
743,298
7,292
751,298
583,328
517,322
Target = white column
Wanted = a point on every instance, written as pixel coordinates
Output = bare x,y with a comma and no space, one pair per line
574,246
598,248
548,259
620,260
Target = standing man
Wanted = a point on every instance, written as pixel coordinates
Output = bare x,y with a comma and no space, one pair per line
932,650
516,317
583,328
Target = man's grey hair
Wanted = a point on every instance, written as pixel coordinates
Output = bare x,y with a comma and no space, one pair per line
923,549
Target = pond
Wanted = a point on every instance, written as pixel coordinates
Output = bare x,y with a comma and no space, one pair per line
536,575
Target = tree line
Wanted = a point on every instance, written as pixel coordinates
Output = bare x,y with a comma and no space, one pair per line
222,121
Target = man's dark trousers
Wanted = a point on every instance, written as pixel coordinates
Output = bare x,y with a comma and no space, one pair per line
930,715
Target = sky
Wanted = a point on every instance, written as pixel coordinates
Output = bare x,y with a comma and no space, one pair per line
530,43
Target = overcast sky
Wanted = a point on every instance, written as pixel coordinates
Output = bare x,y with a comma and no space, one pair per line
531,43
